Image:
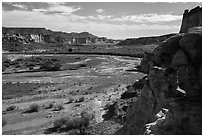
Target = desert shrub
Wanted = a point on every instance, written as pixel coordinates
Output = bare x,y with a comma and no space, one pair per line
74,125
4,122
70,100
70,50
74,132
34,107
58,107
61,123
10,108
78,123
51,66
87,115
80,99
82,65
50,105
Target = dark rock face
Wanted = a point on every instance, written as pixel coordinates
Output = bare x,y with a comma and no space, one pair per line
171,98
191,19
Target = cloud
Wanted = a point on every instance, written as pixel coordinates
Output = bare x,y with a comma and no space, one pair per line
100,10
75,23
149,18
60,9
19,6
47,8
99,17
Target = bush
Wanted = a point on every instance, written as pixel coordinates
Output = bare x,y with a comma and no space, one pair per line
11,108
58,107
78,125
34,107
80,99
50,105
4,122
70,100
51,66
87,115
70,50
82,65
60,123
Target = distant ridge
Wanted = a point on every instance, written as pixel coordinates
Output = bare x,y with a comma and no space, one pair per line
43,35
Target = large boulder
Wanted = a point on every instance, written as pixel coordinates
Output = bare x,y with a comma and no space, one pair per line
191,44
180,59
164,53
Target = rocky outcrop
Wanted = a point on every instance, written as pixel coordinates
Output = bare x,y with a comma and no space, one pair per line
191,19
145,40
171,99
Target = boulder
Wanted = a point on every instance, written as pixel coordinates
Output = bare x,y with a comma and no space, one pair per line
163,54
191,44
180,59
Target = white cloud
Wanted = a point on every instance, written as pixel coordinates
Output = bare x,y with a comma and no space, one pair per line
58,8
55,3
149,18
75,23
39,10
100,10
62,9
19,6
99,17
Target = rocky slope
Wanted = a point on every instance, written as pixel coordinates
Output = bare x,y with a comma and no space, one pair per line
171,98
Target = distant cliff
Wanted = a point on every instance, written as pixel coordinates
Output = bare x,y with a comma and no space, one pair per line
191,19
42,35
145,40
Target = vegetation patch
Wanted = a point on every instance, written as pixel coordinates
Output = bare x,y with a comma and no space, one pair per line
79,125
34,108
11,108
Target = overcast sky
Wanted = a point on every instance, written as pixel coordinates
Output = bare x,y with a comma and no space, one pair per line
113,20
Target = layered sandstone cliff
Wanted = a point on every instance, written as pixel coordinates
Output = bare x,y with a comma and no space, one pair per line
171,98
42,35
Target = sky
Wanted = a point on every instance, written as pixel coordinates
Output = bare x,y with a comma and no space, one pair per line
117,20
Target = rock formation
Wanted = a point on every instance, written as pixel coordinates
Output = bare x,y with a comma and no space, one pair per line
191,19
171,99
42,35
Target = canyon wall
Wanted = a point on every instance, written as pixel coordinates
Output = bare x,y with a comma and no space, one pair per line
42,35
171,98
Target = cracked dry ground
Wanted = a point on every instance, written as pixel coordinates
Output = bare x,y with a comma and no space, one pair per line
104,78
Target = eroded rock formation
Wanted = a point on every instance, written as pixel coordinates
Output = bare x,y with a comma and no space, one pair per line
191,19
42,35
171,99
